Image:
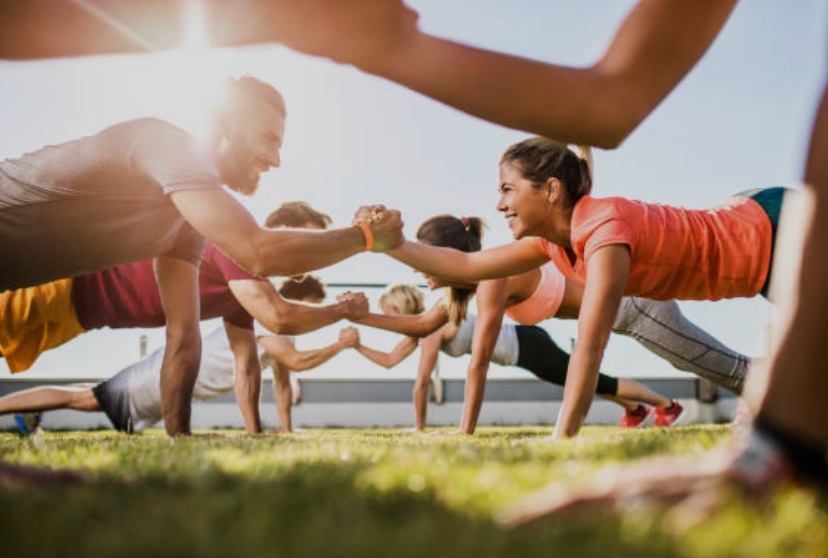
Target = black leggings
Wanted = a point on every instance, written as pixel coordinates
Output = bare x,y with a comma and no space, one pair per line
538,354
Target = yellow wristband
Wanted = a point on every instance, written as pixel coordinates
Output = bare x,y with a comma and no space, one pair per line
369,236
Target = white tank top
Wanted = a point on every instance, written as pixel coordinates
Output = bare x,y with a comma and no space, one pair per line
505,349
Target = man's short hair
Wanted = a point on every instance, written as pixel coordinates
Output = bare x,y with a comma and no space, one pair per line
246,92
297,214
304,288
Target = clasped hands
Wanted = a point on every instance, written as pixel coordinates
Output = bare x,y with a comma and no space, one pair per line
386,226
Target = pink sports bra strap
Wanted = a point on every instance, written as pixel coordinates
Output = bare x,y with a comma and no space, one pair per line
544,302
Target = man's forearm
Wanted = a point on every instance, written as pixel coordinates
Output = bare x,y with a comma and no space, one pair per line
306,360
248,394
182,357
300,318
293,252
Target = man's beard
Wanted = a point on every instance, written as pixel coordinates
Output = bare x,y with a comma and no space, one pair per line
239,181
245,186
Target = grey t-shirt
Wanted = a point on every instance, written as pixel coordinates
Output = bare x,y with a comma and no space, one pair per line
99,201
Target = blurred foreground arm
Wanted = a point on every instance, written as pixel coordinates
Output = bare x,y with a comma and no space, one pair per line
657,44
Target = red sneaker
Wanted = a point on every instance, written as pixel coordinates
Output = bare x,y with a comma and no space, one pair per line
631,419
670,416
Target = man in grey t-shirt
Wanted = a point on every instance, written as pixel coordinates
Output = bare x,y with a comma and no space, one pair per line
144,189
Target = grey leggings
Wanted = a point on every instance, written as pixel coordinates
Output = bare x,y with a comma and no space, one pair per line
662,329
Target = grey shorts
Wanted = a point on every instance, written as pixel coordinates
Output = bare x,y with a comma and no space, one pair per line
113,397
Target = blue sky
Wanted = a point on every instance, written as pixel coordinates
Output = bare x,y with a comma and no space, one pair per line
739,120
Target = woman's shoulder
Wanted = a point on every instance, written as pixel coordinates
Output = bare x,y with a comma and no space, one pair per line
589,206
591,214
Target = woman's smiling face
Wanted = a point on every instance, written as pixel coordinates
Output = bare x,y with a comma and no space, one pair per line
524,206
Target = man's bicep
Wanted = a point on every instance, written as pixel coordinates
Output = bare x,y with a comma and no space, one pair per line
218,217
258,297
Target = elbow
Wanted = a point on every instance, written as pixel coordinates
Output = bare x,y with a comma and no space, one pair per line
283,322
280,326
613,127
622,105
621,124
250,256
613,139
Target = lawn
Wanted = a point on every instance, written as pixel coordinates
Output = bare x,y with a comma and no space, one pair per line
378,492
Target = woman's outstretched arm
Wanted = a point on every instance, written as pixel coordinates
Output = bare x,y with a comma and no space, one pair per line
413,325
389,360
456,265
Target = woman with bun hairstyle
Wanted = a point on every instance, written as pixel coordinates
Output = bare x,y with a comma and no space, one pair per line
528,347
542,293
613,247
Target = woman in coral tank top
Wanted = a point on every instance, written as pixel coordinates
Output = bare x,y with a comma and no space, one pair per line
614,247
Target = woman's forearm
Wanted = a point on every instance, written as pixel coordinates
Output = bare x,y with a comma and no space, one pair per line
414,326
473,395
456,265
581,382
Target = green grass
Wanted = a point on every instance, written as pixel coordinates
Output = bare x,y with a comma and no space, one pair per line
365,493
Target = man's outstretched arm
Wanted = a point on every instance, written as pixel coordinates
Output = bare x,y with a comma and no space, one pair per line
283,252
285,317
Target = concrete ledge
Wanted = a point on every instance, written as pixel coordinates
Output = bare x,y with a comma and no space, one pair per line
387,403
